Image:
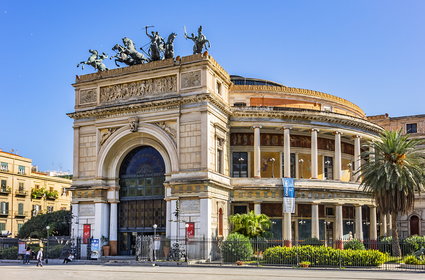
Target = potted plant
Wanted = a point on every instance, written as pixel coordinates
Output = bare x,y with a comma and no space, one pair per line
106,248
305,264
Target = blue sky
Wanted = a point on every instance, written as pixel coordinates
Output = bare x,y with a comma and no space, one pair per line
369,52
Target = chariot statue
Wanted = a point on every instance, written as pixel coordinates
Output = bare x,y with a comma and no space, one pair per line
169,46
200,41
157,45
95,60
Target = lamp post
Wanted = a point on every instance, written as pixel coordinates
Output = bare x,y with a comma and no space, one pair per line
272,160
301,162
154,241
186,228
47,245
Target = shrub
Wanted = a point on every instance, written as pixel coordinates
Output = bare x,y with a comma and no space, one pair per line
10,253
412,244
313,241
237,247
56,252
354,244
323,256
413,260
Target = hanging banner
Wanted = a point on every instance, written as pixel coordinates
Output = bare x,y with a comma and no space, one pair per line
95,248
190,230
86,233
288,195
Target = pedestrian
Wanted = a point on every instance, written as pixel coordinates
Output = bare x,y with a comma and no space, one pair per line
68,259
27,255
40,257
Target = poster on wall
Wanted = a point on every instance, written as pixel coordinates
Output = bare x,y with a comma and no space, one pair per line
86,233
94,247
288,195
190,230
21,248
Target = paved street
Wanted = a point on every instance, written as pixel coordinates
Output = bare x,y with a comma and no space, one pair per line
19,272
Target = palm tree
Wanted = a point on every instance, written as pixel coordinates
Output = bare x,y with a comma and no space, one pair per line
250,225
393,173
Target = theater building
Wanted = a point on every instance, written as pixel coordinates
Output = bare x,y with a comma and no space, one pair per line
184,135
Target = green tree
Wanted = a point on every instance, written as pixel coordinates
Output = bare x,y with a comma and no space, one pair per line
59,222
393,174
250,225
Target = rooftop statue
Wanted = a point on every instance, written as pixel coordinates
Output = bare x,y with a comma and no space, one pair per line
169,46
157,45
131,50
95,60
199,41
122,56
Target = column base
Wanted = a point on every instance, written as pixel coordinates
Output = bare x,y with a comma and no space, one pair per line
287,243
114,247
257,177
339,244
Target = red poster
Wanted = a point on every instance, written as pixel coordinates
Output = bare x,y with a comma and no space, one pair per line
190,230
86,233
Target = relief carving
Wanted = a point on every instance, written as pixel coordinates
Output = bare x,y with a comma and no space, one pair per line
105,133
138,89
133,123
88,96
167,127
191,79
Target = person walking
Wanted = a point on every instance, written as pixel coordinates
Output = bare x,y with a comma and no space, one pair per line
27,255
40,257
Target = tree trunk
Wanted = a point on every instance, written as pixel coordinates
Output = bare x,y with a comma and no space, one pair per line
395,241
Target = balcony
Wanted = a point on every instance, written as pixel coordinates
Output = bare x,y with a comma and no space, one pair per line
21,193
4,213
5,191
21,214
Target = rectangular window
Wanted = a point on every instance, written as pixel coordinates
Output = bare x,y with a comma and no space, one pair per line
36,209
240,164
218,88
50,209
411,128
292,165
21,169
240,209
4,166
4,208
3,185
20,208
20,226
328,163
21,187
220,159
2,227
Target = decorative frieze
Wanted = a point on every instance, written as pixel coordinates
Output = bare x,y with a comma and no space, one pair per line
137,89
87,96
191,79
106,133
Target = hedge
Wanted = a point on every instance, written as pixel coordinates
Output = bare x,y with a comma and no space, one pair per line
323,256
237,247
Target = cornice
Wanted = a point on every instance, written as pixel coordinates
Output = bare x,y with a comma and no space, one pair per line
304,114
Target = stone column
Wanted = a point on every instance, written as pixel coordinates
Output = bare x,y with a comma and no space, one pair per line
383,227
101,222
338,227
389,225
314,157
357,159
338,160
113,229
315,233
287,229
257,151
205,228
286,152
168,232
373,231
75,221
257,208
359,223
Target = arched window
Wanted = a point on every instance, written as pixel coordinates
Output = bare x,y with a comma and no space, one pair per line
220,222
414,225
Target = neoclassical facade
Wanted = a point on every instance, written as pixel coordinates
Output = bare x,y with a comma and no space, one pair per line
184,136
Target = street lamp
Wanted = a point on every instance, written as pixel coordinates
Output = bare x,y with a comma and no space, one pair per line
186,226
301,161
272,160
47,245
154,241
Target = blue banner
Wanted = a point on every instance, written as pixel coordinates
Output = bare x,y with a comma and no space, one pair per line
288,195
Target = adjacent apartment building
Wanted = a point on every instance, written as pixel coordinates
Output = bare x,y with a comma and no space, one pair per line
25,193
414,126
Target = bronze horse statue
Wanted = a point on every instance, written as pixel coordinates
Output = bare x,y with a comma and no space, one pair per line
95,60
169,46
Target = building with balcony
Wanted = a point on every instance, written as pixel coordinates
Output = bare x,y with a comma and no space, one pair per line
414,126
183,136
25,193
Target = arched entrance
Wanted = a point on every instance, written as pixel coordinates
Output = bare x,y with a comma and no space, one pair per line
414,225
141,197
